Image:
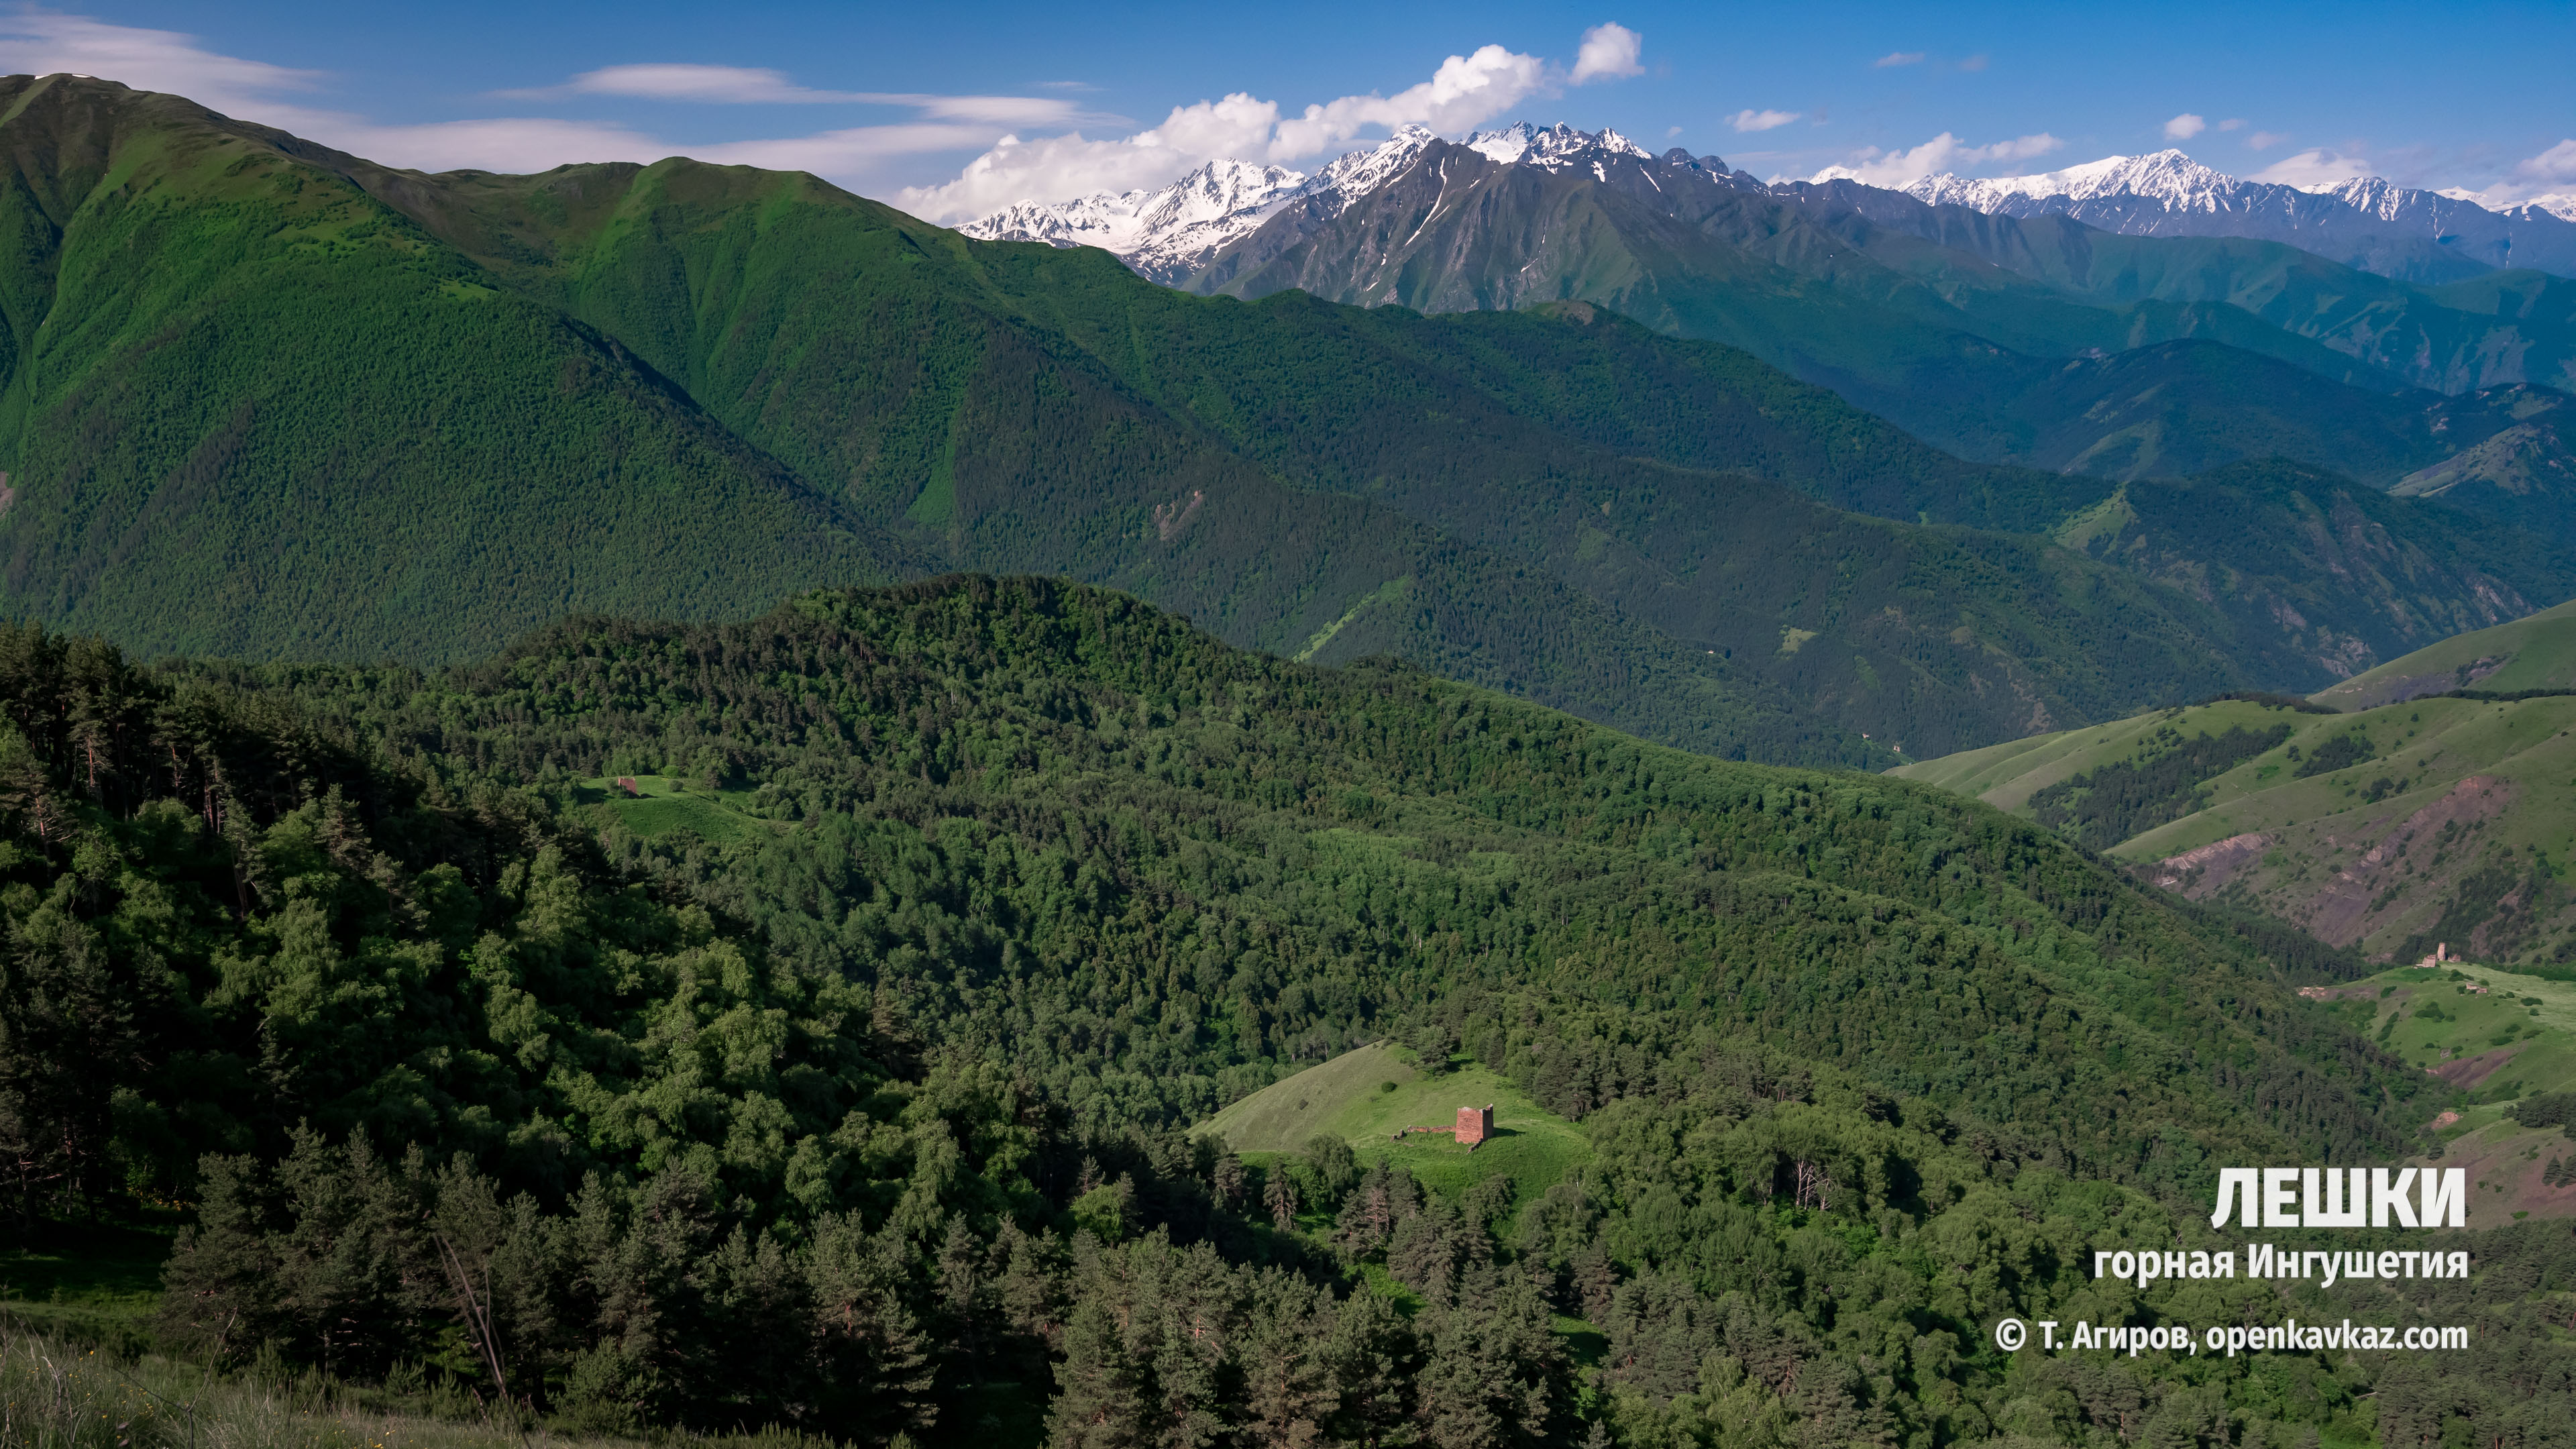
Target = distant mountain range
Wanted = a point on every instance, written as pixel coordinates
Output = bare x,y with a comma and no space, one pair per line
1170,233
2038,339
2366,222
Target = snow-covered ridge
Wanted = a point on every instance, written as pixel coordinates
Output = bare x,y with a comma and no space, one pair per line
2167,176
2367,221
1554,148
1200,212
1165,232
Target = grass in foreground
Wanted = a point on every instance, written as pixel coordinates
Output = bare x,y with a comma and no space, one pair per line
55,1394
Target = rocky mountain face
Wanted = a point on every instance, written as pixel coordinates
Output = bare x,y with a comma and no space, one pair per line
1168,234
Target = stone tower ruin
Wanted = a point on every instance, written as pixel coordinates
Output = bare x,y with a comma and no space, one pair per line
1475,1124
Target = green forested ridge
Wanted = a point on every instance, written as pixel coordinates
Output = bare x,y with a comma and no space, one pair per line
247,410
2315,575
687,390
786,317
871,1119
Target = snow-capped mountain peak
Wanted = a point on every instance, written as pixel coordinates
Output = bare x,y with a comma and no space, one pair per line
2168,176
2367,221
1354,174
1553,147
1166,231
1164,226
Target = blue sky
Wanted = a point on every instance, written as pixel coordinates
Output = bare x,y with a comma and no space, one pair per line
910,103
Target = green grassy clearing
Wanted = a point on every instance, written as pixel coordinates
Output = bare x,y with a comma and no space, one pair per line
2438,790
665,805
1363,1096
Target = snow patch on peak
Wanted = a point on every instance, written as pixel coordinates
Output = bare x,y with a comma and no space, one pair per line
2168,176
1553,147
1507,145
1167,232
1153,230
1355,174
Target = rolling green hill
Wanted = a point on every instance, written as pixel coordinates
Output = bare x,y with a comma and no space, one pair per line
247,410
2389,828
2534,652
2507,1042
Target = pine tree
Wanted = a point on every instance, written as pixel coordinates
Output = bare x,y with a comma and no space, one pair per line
1288,1387
1098,1402
1595,1280
1372,1353
1280,1196
875,1358
1225,1178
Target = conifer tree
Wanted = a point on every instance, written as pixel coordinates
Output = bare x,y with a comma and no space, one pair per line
1099,1403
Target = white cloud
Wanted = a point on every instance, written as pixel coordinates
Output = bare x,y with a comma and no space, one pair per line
2313,169
2266,140
2547,181
1898,57
2232,123
500,143
1609,52
43,43
1978,61
40,42
2185,126
1463,92
1760,120
722,84
1466,91
2555,166
742,85
1944,152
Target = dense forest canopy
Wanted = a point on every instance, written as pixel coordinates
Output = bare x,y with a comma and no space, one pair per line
845,1082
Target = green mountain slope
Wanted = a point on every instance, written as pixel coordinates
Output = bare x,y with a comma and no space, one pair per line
2442,337
303,426
2531,653
2389,829
634,386
1925,639
1020,409
382,446
2316,575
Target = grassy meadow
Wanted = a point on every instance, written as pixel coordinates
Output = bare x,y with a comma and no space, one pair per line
1364,1096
